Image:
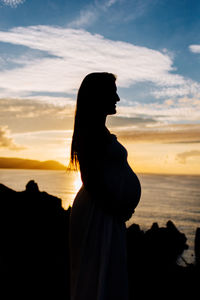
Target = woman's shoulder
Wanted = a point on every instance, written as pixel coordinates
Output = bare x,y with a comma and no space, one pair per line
110,136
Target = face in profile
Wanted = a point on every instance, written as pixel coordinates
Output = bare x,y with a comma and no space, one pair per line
110,99
98,94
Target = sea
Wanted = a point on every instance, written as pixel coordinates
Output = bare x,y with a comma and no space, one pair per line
164,197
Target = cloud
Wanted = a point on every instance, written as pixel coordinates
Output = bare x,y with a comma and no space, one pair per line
172,110
189,87
194,48
12,3
112,11
109,3
30,108
91,13
184,156
23,115
161,134
86,18
124,122
134,9
75,53
48,113
6,141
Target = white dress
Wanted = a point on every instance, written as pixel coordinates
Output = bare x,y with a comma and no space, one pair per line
98,262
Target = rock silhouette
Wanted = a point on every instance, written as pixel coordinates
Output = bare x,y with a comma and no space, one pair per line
34,257
152,263
34,243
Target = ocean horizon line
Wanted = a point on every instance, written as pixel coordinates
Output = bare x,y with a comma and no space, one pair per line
68,170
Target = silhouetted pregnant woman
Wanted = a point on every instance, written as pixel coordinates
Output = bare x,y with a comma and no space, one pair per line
106,200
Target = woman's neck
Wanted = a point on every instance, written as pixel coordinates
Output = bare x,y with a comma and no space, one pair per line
99,121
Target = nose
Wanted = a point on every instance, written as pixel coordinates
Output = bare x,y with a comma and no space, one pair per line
117,98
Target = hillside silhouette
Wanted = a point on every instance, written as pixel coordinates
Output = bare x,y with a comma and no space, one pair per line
20,163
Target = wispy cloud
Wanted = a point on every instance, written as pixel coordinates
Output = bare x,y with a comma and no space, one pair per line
189,87
112,11
172,110
12,3
184,156
43,114
91,13
86,17
6,141
74,53
30,108
109,3
134,9
23,115
161,134
194,48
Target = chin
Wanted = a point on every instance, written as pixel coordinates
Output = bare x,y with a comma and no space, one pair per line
112,111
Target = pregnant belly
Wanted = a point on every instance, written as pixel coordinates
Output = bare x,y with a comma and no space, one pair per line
131,189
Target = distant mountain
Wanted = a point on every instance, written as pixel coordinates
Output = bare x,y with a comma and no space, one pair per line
20,163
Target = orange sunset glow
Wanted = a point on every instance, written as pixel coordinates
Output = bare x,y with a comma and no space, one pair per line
42,66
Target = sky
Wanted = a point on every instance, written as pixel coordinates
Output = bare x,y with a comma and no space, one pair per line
153,46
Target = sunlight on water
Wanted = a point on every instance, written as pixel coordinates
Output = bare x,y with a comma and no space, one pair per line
61,184
77,183
72,185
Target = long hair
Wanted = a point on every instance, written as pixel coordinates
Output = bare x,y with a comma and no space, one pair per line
92,89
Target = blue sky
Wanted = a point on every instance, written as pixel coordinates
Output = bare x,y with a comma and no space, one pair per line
170,26
47,47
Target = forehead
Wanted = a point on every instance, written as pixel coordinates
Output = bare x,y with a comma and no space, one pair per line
104,84
111,85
